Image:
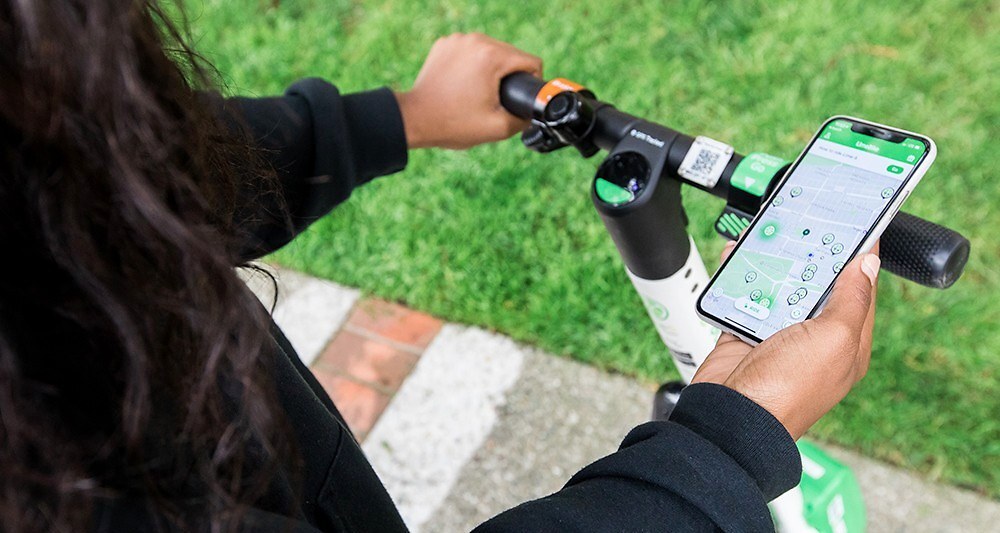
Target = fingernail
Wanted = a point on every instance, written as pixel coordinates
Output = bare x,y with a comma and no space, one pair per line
729,245
870,265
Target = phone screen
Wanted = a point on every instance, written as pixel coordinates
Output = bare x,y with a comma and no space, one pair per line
813,225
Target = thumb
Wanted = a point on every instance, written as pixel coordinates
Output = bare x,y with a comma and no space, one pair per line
852,295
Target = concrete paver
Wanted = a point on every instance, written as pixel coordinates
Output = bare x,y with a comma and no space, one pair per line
559,417
562,415
441,416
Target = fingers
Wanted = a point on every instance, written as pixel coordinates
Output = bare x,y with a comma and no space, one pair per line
515,60
511,60
507,123
865,346
801,372
455,99
853,296
508,58
726,251
728,339
503,59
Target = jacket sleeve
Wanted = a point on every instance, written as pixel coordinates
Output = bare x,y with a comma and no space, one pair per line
322,145
713,466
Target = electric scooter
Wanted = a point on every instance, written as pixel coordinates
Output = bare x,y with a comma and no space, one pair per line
637,192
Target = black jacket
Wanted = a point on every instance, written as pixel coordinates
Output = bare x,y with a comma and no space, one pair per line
713,466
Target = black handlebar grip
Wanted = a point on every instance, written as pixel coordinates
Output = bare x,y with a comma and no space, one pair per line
923,252
518,91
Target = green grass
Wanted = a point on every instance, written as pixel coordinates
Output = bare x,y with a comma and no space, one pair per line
507,239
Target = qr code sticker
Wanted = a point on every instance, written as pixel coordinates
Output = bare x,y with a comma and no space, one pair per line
705,161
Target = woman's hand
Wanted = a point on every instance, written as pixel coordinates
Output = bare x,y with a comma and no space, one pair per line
802,371
455,100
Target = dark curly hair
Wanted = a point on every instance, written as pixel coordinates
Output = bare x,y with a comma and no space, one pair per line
131,354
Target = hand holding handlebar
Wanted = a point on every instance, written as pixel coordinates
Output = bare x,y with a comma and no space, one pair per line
453,103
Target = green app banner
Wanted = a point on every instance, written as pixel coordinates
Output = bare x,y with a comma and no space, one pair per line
839,131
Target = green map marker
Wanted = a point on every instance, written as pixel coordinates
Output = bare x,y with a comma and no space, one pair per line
769,230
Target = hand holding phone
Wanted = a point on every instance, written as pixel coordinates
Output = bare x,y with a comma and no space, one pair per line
832,205
804,370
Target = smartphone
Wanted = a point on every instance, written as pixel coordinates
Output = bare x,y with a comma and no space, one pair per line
834,202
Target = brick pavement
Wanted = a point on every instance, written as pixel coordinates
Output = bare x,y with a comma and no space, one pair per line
365,363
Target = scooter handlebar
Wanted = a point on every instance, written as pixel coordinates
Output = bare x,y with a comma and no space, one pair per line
911,247
518,91
924,252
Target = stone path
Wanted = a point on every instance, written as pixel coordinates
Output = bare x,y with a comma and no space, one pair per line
462,423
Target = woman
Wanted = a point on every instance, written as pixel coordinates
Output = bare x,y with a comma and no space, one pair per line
142,387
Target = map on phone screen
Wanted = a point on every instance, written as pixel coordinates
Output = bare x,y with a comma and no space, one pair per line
811,229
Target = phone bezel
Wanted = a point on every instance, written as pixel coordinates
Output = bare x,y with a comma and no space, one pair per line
919,167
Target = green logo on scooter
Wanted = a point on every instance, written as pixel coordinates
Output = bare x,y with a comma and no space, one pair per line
656,309
755,172
832,500
611,193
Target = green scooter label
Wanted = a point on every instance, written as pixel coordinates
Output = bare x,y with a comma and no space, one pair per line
755,172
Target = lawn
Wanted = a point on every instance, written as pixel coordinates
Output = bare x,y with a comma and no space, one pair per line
507,239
